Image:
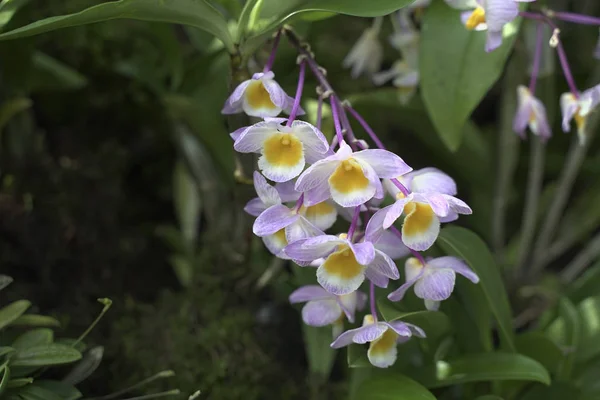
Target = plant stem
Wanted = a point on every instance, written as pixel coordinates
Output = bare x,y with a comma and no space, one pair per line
581,261
537,57
534,187
298,97
271,59
354,223
366,127
372,301
336,119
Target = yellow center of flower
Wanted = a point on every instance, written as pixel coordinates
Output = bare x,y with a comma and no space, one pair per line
257,96
580,121
477,17
343,264
283,150
348,177
384,343
419,217
318,210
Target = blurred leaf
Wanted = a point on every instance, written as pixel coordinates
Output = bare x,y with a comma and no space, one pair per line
40,356
5,281
64,390
318,351
196,13
357,356
557,391
4,350
481,368
452,91
9,109
539,347
275,12
36,320
464,244
5,376
489,397
13,311
34,337
183,269
586,285
84,368
50,74
186,196
19,382
8,8
589,316
566,331
32,392
434,323
391,387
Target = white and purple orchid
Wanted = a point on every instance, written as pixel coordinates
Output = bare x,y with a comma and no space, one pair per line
433,280
578,107
531,113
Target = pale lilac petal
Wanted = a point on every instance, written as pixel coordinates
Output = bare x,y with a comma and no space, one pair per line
308,293
524,109
310,249
415,330
395,211
458,205
287,192
377,278
374,228
255,207
494,40
401,328
436,201
348,303
399,293
541,126
415,234
301,229
317,195
589,100
363,252
370,332
431,179
316,175
455,264
337,284
392,245
275,244
237,133
462,4
435,284
361,301
385,163
251,140
359,196
321,312
452,216
273,219
233,104
384,265
276,93
431,305
279,173
316,146
569,107
499,13
267,193
346,338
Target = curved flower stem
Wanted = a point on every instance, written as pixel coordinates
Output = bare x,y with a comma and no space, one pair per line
271,59
319,111
530,212
354,223
581,261
304,49
400,186
573,17
298,97
336,119
372,301
537,57
365,126
562,56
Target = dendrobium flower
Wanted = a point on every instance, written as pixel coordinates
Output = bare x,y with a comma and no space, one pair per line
323,308
490,15
430,203
579,108
531,113
284,150
434,280
276,224
382,338
366,55
346,264
349,178
260,96
404,77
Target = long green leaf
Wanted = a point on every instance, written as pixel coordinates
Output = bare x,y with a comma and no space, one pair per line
36,320
464,244
391,387
13,311
64,390
482,368
196,13
8,8
44,355
566,331
452,91
539,347
5,373
5,281
34,337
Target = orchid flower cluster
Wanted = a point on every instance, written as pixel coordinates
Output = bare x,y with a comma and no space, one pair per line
304,184
490,16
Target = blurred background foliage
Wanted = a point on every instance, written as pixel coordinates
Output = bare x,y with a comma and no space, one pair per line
117,180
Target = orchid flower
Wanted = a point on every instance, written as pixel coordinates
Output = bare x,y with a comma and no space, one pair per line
366,55
579,108
531,113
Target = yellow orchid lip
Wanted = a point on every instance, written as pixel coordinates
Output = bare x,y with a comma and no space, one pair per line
476,18
283,150
257,96
348,177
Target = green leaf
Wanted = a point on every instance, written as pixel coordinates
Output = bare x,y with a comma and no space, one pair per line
51,74
391,387
32,392
196,13
357,356
84,368
13,311
64,390
5,376
186,196
452,91
557,391
19,382
40,356
566,331
464,244
589,315
8,110
4,350
539,347
8,8
434,323
5,281
36,320
319,353
489,397
276,12
586,285
482,368
35,337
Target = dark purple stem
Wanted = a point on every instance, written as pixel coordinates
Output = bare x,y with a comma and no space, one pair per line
354,223
336,119
346,124
299,203
531,15
562,56
576,18
298,97
271,59
372,300
366,127
319,112
415,253
400,186
537,57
